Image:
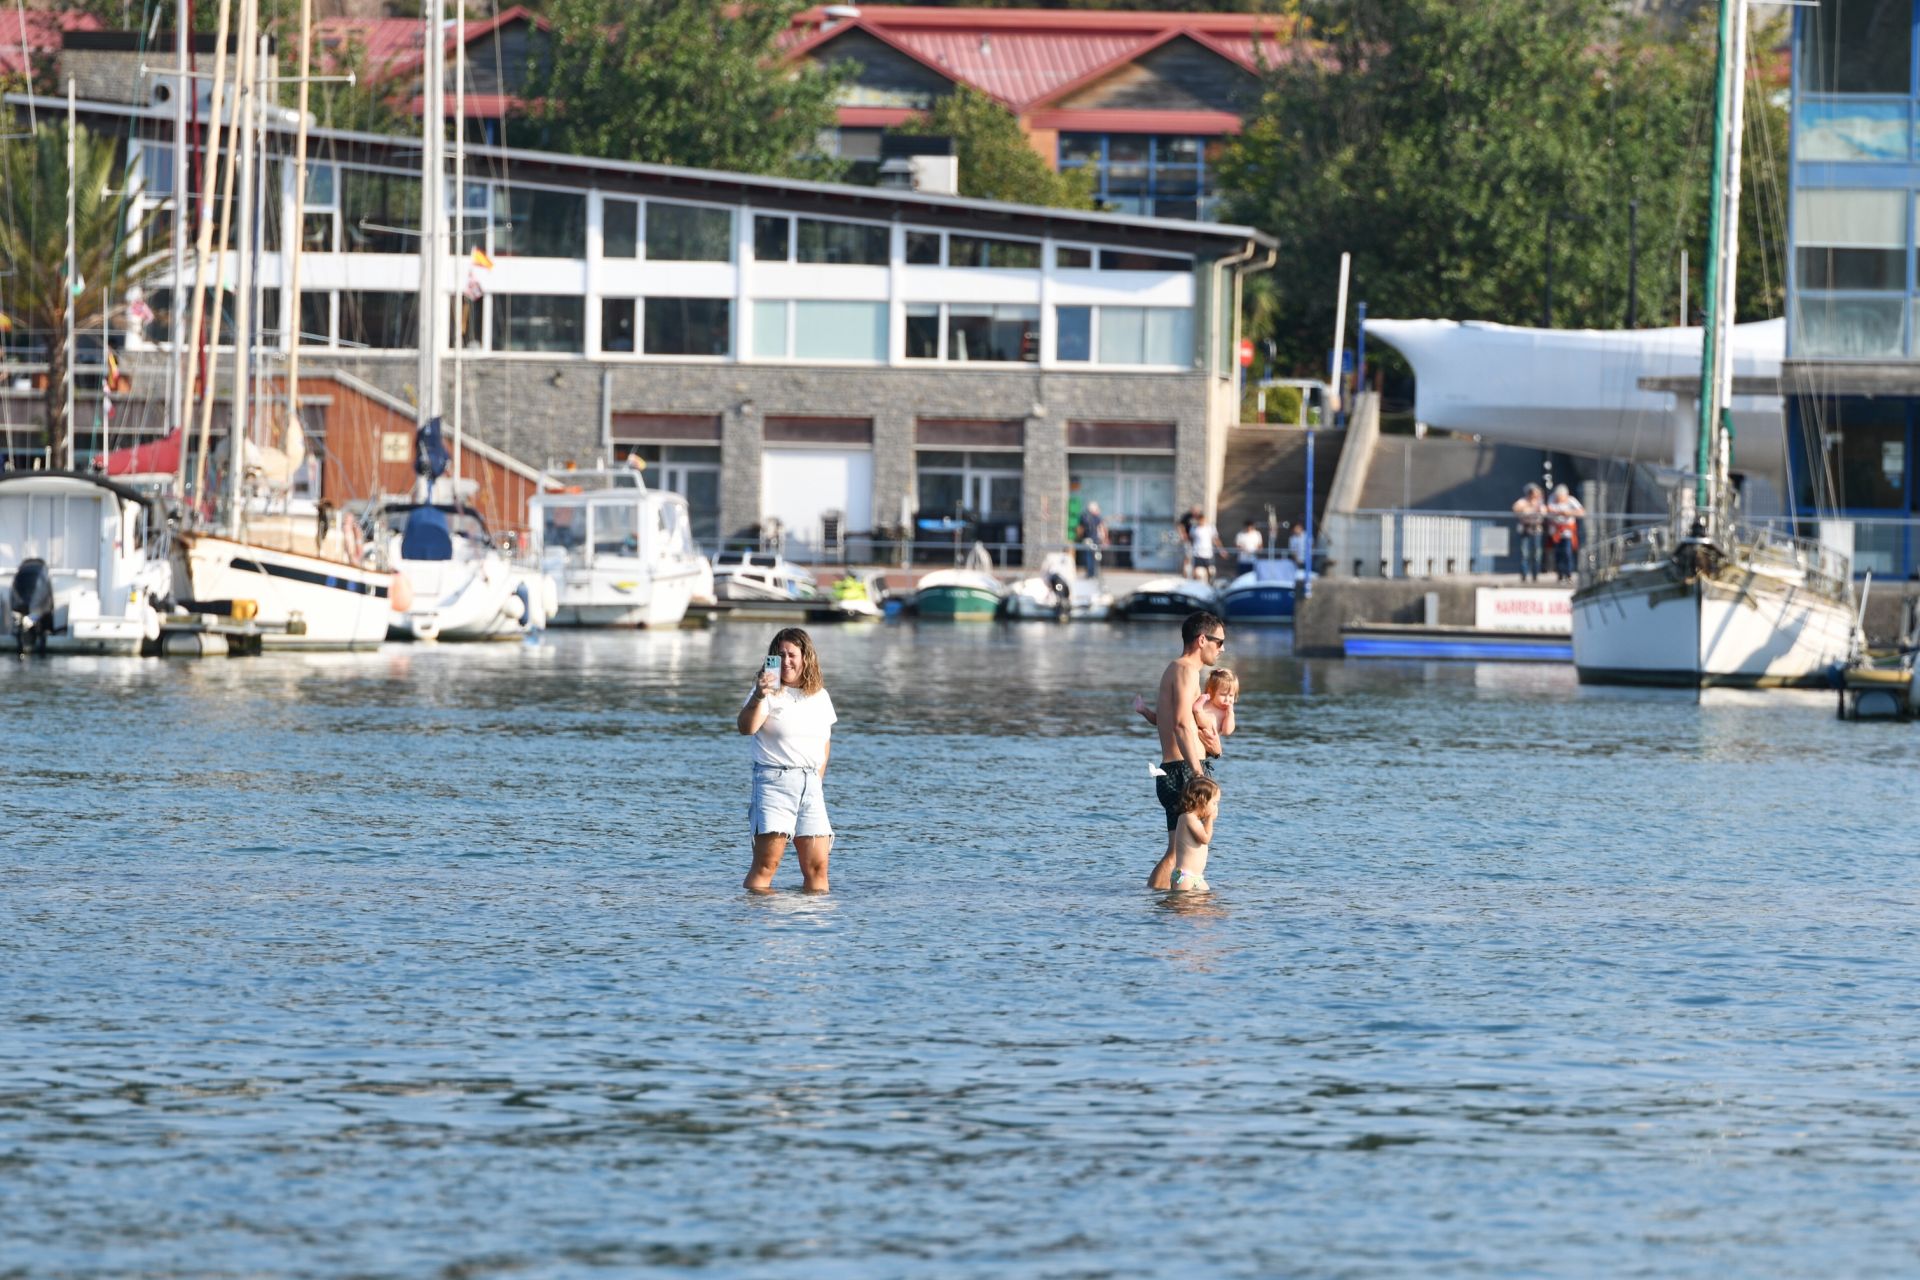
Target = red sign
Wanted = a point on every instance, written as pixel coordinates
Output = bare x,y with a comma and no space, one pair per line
1246,353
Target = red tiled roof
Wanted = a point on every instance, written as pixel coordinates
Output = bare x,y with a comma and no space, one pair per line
1025,57
38,34
396,45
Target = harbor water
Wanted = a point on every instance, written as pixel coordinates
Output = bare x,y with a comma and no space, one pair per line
434,961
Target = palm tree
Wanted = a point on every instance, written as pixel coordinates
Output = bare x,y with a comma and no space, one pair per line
33,245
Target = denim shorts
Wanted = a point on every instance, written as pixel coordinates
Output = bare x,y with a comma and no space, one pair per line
788,801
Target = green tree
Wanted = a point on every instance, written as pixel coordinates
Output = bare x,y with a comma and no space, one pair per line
684,82
1440,142
33,244
996,160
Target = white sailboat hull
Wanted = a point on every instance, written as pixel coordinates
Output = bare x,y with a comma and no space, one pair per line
1738,627
463,600
304,602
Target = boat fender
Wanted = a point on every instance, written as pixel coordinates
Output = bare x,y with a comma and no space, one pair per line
525,611
400,593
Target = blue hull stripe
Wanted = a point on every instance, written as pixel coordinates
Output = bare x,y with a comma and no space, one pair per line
309,577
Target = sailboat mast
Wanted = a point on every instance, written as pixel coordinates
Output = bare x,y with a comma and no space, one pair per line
1723,249
433,213
189,337
294,236
246,112
177,366
459,216
72,299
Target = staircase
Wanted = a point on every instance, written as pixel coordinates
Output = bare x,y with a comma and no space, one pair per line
1267,466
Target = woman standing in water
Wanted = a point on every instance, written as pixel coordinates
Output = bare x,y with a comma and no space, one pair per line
790,716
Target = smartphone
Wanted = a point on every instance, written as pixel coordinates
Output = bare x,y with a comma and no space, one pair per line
772,663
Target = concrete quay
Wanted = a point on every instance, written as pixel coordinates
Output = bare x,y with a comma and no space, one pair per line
1339,602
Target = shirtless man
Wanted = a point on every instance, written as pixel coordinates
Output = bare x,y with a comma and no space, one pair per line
1182,756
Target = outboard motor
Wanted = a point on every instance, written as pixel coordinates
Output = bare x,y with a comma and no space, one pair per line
1062,596
30,606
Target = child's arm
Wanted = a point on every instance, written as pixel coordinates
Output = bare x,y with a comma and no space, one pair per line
1226,721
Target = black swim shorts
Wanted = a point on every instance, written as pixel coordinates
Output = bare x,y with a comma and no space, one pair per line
1173,779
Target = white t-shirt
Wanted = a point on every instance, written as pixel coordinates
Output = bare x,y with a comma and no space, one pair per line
796,729
1249,540
1205,539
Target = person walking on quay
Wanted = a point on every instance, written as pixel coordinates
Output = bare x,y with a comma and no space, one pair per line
1182,755
790,716
1092,535
1248,543
1185,523
1530,520
1205,540
1563,530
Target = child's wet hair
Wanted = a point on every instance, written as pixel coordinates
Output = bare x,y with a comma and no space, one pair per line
1198,794
1223,676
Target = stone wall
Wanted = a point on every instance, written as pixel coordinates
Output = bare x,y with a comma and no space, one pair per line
552,411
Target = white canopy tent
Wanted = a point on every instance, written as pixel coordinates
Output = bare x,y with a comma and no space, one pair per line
1578,390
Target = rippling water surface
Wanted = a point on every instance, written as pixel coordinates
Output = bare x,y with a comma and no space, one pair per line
434,961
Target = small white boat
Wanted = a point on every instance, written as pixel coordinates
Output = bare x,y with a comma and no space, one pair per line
83,564
762,575
464,586
622,554
964,595
1058,592
1169,597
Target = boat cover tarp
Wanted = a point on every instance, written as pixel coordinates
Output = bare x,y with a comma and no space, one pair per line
427,536
146,459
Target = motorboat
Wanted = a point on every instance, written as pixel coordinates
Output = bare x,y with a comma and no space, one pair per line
622,554
1169,597
1265,593
761,575
464,586
1058,592
83,562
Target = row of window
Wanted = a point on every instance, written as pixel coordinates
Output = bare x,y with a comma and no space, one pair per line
1852,274
992,484
1164,176
797,329
350,210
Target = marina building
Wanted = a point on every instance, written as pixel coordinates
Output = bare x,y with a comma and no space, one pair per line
1141,100
1852,372
842,365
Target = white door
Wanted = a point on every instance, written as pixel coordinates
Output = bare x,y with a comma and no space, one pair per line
798,486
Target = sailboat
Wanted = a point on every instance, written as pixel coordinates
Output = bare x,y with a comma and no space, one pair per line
297,565
464,586
1707,599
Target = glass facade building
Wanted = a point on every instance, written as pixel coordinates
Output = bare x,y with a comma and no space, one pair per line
1852,372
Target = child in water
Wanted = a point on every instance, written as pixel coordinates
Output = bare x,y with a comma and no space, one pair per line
1193,833
1212,710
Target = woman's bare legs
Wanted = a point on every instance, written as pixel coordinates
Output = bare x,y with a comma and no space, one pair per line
813,851
768,849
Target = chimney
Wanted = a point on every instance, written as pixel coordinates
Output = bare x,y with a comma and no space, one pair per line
919,164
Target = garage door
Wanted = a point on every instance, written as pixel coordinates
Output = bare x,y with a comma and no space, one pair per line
799,486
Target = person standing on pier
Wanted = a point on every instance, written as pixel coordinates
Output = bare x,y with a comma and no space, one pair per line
1530,519
1182,755
790,716
1563,530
